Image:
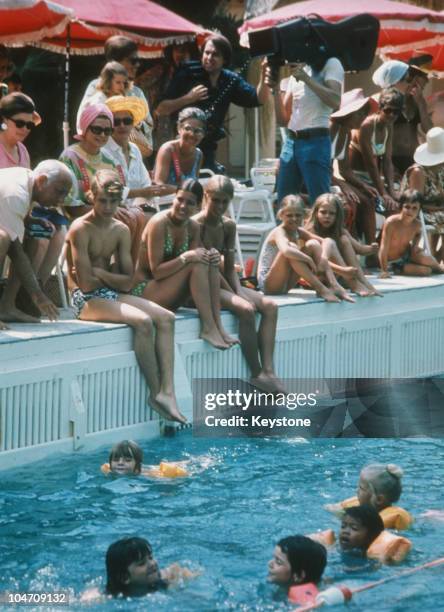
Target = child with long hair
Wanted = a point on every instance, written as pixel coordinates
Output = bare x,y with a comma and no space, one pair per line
291,252
327,221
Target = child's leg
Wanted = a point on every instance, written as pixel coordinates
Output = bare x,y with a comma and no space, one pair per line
350,258
172,291
98,309
214,280
419,257
315,250
164,351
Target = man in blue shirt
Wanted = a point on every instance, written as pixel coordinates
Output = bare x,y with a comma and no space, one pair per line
211,87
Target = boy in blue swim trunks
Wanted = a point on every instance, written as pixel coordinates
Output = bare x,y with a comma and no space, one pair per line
99,293
400,252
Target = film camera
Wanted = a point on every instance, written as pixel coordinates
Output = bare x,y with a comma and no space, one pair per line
312,40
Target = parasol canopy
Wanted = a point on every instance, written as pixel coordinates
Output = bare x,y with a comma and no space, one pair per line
404,28
27,21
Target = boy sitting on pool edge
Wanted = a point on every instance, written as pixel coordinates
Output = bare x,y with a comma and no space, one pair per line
400,252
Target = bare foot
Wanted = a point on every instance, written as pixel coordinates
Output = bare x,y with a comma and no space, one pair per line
215,339
166,406
230,340
328,295
3,325
348,272
268,383
14,314
343,294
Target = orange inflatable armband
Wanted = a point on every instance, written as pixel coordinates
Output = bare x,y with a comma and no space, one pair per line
389,548
105,469
395,517
172,470
326,538
303,593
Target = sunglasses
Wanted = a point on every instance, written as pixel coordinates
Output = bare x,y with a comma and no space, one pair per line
20,123
98,130
123,121
391,110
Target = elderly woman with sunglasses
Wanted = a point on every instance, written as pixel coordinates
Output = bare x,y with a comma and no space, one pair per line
17,118
371,146
181,159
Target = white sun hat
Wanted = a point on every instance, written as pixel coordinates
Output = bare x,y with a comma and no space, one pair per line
390,73
431,153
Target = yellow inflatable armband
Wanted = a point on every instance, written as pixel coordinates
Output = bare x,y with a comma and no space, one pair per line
172,470
389,548
395,517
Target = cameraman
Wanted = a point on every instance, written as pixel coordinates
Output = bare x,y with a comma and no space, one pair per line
212,88
312,94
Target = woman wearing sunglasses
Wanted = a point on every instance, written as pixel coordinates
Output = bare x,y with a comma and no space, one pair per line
17,118
181,159
371,146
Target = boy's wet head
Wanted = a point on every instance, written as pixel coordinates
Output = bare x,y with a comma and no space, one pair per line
106,185
411,201
297,560
126,457
219,192
360,526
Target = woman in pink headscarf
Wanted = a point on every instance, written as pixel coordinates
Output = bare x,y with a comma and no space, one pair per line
87,157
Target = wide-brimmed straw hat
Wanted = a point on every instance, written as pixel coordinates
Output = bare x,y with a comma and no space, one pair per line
351,102
131,104
390,73
431,152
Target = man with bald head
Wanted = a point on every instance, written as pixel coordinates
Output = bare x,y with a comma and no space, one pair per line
48,185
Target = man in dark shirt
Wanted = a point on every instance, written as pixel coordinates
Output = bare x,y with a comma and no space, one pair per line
212,88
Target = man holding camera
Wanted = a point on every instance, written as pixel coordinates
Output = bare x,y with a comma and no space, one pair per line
210,86
313,92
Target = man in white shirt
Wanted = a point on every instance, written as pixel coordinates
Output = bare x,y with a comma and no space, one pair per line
48,185
123,50
312,94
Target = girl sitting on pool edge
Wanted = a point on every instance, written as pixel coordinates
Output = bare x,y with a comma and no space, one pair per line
126,458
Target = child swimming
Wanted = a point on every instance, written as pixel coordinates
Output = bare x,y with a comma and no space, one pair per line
327,221
361,525
132,570
298,561
291,252
400,252
380,485
126,457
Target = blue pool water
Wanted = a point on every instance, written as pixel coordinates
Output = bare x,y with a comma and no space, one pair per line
57,518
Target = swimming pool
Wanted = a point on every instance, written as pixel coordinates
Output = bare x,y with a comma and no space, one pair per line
59,516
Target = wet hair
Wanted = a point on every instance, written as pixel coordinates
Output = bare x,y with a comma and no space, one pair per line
192,186
290,201
109,71
384,479
107,180
305,555
119,557
219,182
369,519
391,97
192,112
14,103
127,449
222,45
411,196
118,48
313,224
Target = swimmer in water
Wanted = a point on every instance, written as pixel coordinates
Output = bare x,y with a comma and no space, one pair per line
126,458
360,526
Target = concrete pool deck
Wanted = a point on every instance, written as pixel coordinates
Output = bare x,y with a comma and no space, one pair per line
65,385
